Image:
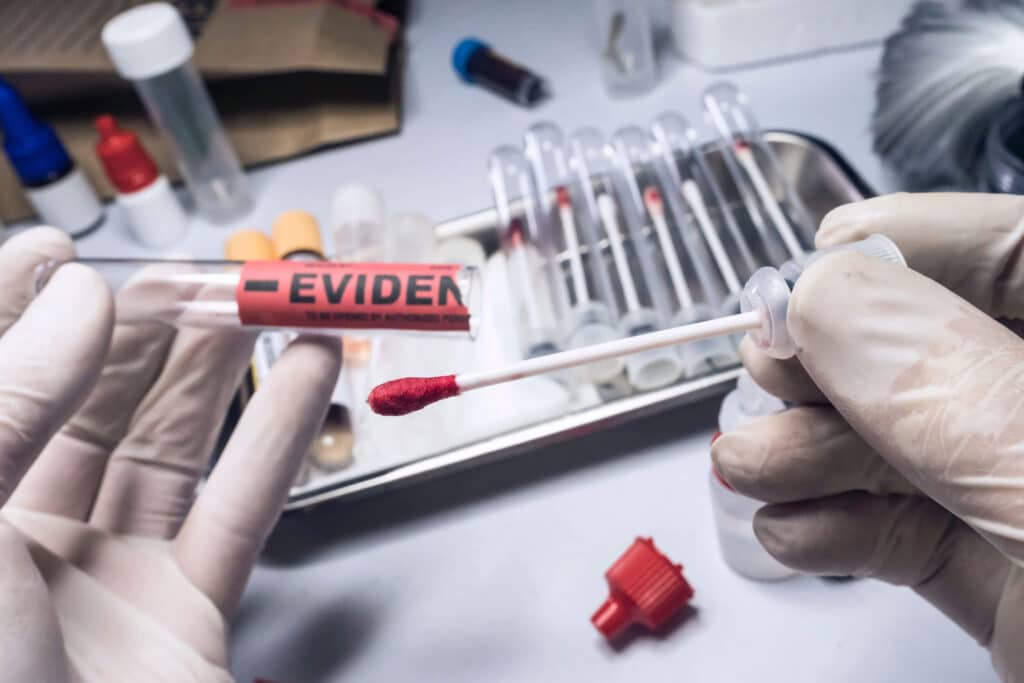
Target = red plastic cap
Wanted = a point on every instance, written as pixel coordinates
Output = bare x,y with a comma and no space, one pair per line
127,164
646,588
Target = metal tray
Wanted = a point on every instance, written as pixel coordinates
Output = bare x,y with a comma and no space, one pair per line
821,178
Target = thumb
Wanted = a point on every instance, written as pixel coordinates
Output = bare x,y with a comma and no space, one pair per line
930,382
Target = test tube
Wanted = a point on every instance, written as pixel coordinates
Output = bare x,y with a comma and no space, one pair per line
360,233
150,45
531,262
744,146
646,294
698,186
709,292
591,320
306,296
633,147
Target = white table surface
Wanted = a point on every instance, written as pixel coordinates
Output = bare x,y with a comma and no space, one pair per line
491,575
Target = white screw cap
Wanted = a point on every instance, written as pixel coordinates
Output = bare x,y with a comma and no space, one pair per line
147,41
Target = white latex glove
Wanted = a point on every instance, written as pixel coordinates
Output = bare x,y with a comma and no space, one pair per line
906,462
110,568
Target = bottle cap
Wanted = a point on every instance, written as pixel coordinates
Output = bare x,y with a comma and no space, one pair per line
147,41
463,52
35,152
296,231
124,159
646,588
249,245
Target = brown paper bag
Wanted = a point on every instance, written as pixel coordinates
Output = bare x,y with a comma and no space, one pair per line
287,76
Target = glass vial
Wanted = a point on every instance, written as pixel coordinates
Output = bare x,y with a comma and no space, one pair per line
626,45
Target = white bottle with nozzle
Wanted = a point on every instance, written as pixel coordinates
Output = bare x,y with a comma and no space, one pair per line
734,513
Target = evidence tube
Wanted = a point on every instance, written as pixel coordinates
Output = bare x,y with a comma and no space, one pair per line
531,263
314,296
592,320
647,296
744,146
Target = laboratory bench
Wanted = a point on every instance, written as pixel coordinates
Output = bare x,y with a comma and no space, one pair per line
491,574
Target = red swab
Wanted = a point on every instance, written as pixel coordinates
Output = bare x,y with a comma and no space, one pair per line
407,395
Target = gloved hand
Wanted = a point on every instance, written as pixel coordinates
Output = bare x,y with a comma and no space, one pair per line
906,460
111,569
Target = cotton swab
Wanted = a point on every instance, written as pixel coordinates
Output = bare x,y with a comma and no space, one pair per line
610,218
695,200
746,158
572,245
409,394
656,209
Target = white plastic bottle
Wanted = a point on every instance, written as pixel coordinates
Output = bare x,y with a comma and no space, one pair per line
734,513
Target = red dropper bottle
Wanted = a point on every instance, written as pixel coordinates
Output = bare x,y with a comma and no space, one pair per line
143,194
126,162
645,588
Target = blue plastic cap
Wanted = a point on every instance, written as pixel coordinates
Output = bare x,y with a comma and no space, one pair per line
463,52
34,150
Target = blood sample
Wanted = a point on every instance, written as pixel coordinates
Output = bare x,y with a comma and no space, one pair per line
477,63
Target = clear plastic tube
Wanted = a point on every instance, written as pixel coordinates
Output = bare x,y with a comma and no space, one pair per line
761,181
709,290
705,198
592,320
768,292
648,300
182,110
531,261
314,296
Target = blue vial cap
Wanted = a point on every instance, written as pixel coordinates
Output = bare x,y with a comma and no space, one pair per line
32,146
463,52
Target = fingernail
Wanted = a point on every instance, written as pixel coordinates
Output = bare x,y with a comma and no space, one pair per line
728,455
773,533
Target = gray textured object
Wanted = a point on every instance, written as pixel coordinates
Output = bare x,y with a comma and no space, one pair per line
946,75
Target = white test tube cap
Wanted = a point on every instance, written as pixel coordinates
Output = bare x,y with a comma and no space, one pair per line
593,326
356,204
703,356
652,369
768,292
147,41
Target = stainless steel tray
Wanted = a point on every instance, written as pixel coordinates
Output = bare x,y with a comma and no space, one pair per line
823,181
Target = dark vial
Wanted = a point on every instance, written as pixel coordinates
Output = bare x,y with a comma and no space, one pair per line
477,63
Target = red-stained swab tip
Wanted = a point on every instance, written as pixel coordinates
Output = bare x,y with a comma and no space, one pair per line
653,198
564,200
741,146
409,394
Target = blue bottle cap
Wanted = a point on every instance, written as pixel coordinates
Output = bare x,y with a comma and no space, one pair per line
34,150
463,52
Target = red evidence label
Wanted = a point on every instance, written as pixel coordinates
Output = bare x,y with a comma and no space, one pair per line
357,296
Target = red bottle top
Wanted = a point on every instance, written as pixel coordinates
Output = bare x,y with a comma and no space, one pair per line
127,164
646,588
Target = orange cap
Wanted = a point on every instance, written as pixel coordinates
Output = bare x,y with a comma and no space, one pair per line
296,231
249,245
